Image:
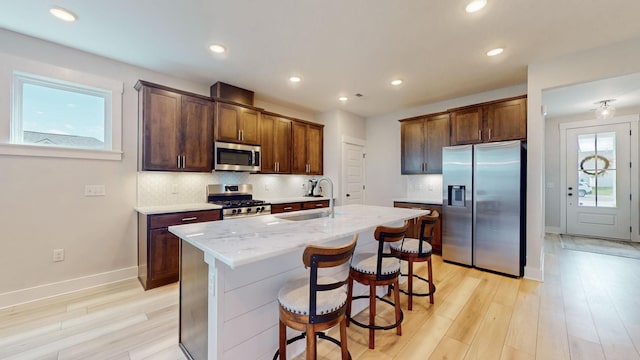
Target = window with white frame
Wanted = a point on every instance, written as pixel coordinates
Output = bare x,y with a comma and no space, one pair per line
51,112
58,112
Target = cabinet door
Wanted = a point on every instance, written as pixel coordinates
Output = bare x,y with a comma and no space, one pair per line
466,126
298,148
161,122
164,255
249,126
507,120
267,144
197,134
314,149
275,141
282,145
227,122
412,140
436,137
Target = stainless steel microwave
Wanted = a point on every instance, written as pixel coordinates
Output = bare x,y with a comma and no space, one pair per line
236,157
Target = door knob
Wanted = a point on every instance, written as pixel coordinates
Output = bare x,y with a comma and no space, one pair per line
570,194
348,195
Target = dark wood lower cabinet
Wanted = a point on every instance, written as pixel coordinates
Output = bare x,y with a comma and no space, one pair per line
414,227
159,249
305,205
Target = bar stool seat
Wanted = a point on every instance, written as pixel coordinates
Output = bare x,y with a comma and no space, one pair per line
367,263
315,303
418,250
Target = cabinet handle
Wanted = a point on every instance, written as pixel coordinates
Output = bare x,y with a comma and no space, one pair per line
242,135
184,161
479,134
489,134
190,218
178,166
239,134
287,208
318,205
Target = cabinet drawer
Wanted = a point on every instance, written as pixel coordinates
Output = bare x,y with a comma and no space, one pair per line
280,208
315,204
164,220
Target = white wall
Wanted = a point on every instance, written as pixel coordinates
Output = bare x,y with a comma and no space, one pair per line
43,202
339,124
384,182
609,61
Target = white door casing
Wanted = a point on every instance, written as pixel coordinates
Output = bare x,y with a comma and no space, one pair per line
599,196
353,161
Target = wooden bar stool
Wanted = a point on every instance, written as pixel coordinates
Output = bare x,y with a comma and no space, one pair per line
377,269
418,250
315,303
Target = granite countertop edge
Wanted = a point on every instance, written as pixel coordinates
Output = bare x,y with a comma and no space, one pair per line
419,201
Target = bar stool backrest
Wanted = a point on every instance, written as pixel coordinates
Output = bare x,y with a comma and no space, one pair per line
427,227
386,234
316,257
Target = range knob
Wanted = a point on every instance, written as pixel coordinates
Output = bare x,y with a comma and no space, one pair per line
234,211
248,210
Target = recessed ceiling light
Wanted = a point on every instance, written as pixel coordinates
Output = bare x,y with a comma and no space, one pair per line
396,82
295,79
494,52
343,98
217,48
475,5
63,14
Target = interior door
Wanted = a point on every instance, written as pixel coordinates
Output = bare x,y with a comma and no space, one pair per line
353,174
598,181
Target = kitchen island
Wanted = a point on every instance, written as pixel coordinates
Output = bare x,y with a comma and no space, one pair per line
231,272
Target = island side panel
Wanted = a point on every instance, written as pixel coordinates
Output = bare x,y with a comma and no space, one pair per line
249,307
194,302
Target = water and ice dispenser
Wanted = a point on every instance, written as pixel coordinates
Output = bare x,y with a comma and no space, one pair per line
456,195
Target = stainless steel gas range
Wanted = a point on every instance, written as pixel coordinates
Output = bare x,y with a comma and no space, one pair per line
236,200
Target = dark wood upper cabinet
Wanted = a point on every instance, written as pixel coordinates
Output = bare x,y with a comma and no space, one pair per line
176,129
422,140
307,146
493,121
237,124
275,135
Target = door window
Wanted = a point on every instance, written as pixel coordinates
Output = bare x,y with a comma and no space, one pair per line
597,169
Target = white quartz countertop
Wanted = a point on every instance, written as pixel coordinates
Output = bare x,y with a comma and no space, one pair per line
420,201
295,199
162,209
238,242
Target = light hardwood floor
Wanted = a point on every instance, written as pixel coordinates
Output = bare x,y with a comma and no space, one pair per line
587,308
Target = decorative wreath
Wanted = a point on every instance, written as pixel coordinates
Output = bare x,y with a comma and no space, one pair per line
596,172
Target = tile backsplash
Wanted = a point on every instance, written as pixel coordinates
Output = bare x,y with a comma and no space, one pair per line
424,187
172,188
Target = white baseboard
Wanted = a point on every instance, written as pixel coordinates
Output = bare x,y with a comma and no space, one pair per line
553,229
22,296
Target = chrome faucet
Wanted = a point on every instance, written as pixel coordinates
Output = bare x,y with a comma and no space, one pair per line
330,192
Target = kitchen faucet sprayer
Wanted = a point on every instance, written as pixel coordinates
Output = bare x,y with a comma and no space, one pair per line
318,180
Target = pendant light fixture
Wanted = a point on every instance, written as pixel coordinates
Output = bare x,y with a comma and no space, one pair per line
605,111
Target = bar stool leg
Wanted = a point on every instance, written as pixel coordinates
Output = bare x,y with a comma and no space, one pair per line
349,299
431,286
311,343
396,290
343,339
372,315
410,278
283,341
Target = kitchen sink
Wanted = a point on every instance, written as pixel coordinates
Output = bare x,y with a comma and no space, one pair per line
301,217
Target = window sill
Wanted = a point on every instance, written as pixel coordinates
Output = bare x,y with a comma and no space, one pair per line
59,152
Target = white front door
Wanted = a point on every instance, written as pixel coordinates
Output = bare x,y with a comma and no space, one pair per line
352,173
598,181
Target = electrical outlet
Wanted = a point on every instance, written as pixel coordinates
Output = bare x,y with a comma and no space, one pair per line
58,255
174,188
94,190
266,187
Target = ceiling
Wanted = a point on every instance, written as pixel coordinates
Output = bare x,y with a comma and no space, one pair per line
337,47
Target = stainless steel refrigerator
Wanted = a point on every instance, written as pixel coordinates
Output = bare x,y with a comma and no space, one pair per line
483,221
